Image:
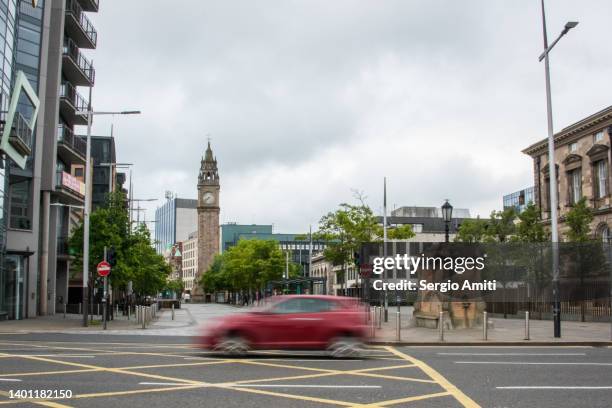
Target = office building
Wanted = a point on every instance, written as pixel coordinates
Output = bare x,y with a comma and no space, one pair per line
174,221
520,199
190,262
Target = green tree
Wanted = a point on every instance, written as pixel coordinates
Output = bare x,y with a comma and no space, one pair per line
472,231
578,219
500,226
347,228
530,228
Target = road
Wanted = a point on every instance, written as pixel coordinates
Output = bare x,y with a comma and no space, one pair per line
162,371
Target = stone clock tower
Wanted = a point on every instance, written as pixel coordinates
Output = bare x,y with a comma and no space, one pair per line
208,217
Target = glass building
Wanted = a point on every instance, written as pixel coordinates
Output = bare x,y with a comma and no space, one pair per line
174,221
519,199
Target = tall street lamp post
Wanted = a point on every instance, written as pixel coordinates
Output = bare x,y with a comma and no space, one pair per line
447,215
90,114
553,172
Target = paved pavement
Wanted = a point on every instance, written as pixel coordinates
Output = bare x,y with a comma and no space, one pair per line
155,371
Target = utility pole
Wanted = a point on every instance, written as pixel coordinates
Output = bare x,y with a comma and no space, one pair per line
385,243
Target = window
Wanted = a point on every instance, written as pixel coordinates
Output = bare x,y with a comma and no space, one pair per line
575,186
20,205
598,137
600,182
573,147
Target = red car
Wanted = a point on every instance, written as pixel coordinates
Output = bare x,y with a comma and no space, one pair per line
297,322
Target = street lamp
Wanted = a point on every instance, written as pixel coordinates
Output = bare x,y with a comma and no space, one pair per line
90,114
447,215
552,171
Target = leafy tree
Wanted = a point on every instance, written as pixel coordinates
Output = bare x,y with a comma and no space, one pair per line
579,219
530,228
348,227
501,225
247,266
472,231
175,286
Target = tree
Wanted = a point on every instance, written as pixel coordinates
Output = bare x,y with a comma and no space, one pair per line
472,231
530,228
350,226
247,266
501,225
578,219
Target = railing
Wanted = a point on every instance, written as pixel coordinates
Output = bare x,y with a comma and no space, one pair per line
67,137
20,135
65,180
73,7
69,92
72,50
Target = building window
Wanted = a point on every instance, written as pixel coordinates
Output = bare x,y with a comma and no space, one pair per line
573,147
598,137
575,186
20,205
600,181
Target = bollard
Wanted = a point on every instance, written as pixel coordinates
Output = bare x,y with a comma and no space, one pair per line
80,308
64,310
143,320
117,310
441,326
485,326
97,309
526,325
128,311
173,311
373,322
380,316
398,325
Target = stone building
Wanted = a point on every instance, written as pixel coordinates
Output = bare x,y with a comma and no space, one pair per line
190,262
208,217
582,160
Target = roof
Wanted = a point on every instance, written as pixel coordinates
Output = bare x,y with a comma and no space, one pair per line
573,129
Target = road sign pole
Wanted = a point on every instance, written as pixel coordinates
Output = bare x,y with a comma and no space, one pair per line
104,305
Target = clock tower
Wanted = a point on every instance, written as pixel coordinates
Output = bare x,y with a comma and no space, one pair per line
208,217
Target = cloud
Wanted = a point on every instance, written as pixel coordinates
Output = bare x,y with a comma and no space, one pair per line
306,100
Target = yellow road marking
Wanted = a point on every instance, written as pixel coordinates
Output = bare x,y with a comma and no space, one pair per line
403,400
85,370
433,374
176,365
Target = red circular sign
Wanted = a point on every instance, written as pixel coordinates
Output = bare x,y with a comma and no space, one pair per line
103,268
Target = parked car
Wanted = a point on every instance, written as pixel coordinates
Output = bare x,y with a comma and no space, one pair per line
295,322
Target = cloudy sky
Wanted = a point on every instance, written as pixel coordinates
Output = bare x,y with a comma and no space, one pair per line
308,100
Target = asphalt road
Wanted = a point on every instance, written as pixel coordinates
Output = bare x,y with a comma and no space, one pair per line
116,371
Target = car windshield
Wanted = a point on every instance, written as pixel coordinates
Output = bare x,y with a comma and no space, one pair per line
302,305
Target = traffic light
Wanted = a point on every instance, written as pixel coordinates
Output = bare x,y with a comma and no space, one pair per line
357,259
111,256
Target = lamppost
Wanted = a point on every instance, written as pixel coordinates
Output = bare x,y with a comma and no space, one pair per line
90,114
552,171
447,215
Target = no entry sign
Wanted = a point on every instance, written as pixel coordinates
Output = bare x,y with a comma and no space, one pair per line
103,268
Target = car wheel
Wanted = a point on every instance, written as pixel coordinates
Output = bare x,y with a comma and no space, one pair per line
234,345
345,347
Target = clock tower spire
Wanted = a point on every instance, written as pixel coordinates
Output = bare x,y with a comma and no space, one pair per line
208,217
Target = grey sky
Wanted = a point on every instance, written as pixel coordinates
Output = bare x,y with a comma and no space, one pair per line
306,100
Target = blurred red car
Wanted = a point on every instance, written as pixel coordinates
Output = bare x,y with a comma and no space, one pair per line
296,322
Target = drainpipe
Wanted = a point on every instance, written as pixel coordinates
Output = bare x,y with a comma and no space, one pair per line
539,185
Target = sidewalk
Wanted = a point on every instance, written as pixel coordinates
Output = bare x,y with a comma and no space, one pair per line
500,332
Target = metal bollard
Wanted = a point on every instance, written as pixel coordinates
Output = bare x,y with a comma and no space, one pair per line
379,317
64,310
398,325
97,309
441,326
527,325
143,319
173,311
373,322
485,326
128,311
80,308
117,310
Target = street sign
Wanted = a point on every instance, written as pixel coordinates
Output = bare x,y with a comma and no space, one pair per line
365,270
103,268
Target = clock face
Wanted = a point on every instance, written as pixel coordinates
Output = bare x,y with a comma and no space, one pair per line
208,198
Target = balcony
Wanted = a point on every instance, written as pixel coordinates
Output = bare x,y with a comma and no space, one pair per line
89,5
78,27
20,136
71,102
70,190
70,148
77,69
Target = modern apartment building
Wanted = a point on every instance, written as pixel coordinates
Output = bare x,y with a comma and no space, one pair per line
582,160
190,262
174,221
104,176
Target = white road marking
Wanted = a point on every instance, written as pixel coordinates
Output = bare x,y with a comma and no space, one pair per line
530,363
511,354
302,386
162,383
10,379
555,387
